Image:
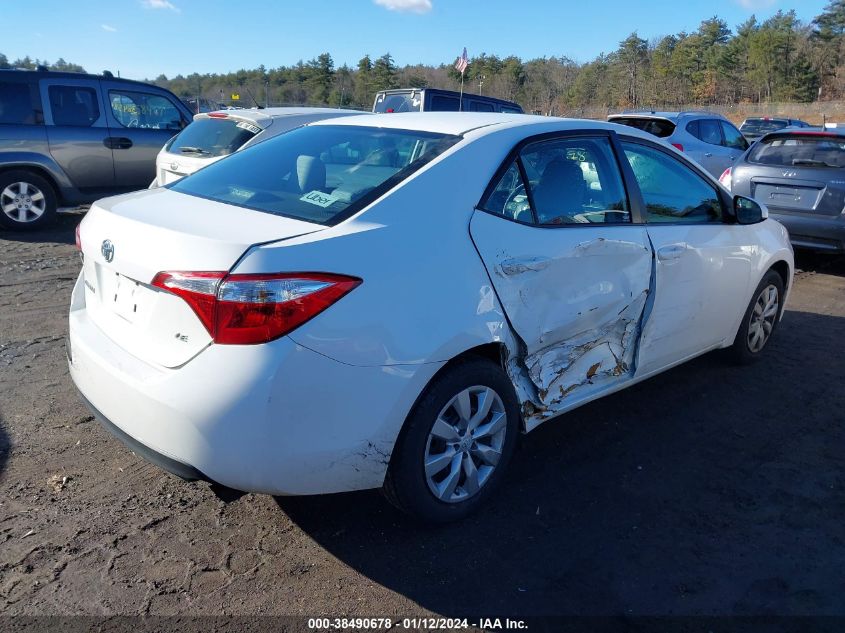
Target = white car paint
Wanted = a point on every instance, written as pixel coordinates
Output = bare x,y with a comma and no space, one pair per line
171,166
579,312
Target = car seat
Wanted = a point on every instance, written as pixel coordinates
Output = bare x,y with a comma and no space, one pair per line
561,192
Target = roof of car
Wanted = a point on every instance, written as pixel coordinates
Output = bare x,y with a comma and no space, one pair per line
258,115
806,131
54,74
464,122
671,116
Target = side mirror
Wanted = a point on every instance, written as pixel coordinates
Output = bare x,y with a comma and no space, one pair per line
748,211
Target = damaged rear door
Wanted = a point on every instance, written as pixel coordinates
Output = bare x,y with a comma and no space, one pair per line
571,267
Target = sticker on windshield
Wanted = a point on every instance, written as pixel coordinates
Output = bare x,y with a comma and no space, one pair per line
248,126
319,198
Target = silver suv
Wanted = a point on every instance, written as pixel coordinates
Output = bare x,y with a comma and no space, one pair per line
706,137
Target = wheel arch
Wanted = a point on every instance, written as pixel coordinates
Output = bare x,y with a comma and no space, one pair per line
38,170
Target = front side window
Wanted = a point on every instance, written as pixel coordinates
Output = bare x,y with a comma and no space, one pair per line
733,138
144,110
73,105
672,191
17,105
319,173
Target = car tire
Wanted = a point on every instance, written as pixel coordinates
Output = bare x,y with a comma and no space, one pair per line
760,320
27,201
473,449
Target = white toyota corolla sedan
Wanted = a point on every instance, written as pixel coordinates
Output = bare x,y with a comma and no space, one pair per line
390,300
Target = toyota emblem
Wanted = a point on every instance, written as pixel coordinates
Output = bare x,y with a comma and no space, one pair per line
107,249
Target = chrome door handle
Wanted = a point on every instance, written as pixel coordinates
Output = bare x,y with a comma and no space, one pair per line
672,251
707,154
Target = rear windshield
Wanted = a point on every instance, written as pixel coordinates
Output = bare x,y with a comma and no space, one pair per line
320,173
659,127
761,126
213,137
402,102
796,150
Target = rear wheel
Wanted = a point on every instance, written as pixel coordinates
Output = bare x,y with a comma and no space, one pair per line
456,444
27,201
760,319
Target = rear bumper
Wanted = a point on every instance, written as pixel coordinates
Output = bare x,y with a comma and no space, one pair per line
274,418
820,233
174,467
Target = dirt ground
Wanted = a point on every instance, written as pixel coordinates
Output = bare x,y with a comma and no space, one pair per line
709,490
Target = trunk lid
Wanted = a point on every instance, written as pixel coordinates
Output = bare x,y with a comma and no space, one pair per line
797,172
126,240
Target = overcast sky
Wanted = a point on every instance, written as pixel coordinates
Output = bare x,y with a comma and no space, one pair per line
144,38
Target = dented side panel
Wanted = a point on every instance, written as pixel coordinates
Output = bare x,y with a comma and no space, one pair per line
575,297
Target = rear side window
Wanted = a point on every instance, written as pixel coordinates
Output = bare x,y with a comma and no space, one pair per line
480,106
320,173
672,191
570,181
441,103
708,130
144,110
213,137
17,103
660,128
403,102
798,150
73,105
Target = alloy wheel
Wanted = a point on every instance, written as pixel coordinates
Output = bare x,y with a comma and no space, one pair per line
762,319
23,202
465,444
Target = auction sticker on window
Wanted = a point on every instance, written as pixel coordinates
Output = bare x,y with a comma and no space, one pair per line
319,198
248,126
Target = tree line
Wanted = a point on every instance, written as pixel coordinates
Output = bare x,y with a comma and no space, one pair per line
775,60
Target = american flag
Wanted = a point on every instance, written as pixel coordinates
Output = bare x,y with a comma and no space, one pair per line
463,62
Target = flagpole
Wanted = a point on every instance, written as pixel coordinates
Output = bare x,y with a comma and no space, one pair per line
461,102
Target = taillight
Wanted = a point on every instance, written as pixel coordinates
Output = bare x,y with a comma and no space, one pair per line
250,309
78,239
199,290
726,178
678,146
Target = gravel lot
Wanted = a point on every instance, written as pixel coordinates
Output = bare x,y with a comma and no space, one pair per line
708,490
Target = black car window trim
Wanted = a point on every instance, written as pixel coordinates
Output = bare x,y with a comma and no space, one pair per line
636,208
725,201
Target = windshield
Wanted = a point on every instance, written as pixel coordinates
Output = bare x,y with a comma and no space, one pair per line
213,137
810,151
658,127
320,173
762,126
403,102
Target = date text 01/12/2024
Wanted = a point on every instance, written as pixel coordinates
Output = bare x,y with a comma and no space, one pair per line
446,624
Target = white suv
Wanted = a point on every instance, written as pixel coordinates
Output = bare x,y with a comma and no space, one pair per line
215,135
706,137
